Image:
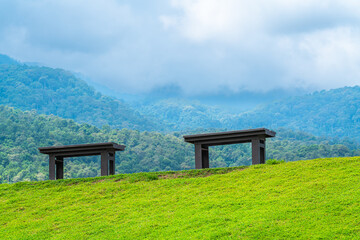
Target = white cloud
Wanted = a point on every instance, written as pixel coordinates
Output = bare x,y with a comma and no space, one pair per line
325,59
80,25
289,44
228,20
210,19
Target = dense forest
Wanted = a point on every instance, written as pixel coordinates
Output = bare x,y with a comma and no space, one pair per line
21,133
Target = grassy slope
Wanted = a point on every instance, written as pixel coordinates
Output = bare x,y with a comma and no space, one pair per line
305,199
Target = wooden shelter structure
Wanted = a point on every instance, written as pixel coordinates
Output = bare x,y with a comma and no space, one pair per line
58,153
202,143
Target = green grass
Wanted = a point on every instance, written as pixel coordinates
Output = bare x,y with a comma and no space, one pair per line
315,199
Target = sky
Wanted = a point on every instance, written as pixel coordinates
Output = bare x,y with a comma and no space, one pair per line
197,46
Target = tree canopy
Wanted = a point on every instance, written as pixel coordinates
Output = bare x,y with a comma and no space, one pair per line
21,133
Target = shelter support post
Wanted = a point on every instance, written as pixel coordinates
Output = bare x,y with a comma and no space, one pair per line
104,163
258,151
201,156
112,163
59,163
52,167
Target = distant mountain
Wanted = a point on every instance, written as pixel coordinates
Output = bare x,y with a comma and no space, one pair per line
326,113
59,92
7,60
334,113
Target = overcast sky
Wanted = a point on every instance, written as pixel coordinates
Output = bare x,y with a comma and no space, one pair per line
202,46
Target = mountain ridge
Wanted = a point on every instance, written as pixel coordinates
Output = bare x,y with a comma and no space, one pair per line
334,113
59,92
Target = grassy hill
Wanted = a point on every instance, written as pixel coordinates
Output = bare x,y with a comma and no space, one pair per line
315,199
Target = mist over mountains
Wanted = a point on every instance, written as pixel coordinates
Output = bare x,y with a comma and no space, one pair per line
334,113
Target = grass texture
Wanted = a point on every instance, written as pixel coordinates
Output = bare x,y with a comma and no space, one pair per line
314,199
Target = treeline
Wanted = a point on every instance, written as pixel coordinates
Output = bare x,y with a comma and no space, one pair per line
21,133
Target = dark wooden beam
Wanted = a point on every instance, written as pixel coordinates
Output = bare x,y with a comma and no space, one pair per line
240,134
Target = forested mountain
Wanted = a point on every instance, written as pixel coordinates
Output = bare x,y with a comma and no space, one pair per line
327,113
7,60
21,133
58,92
